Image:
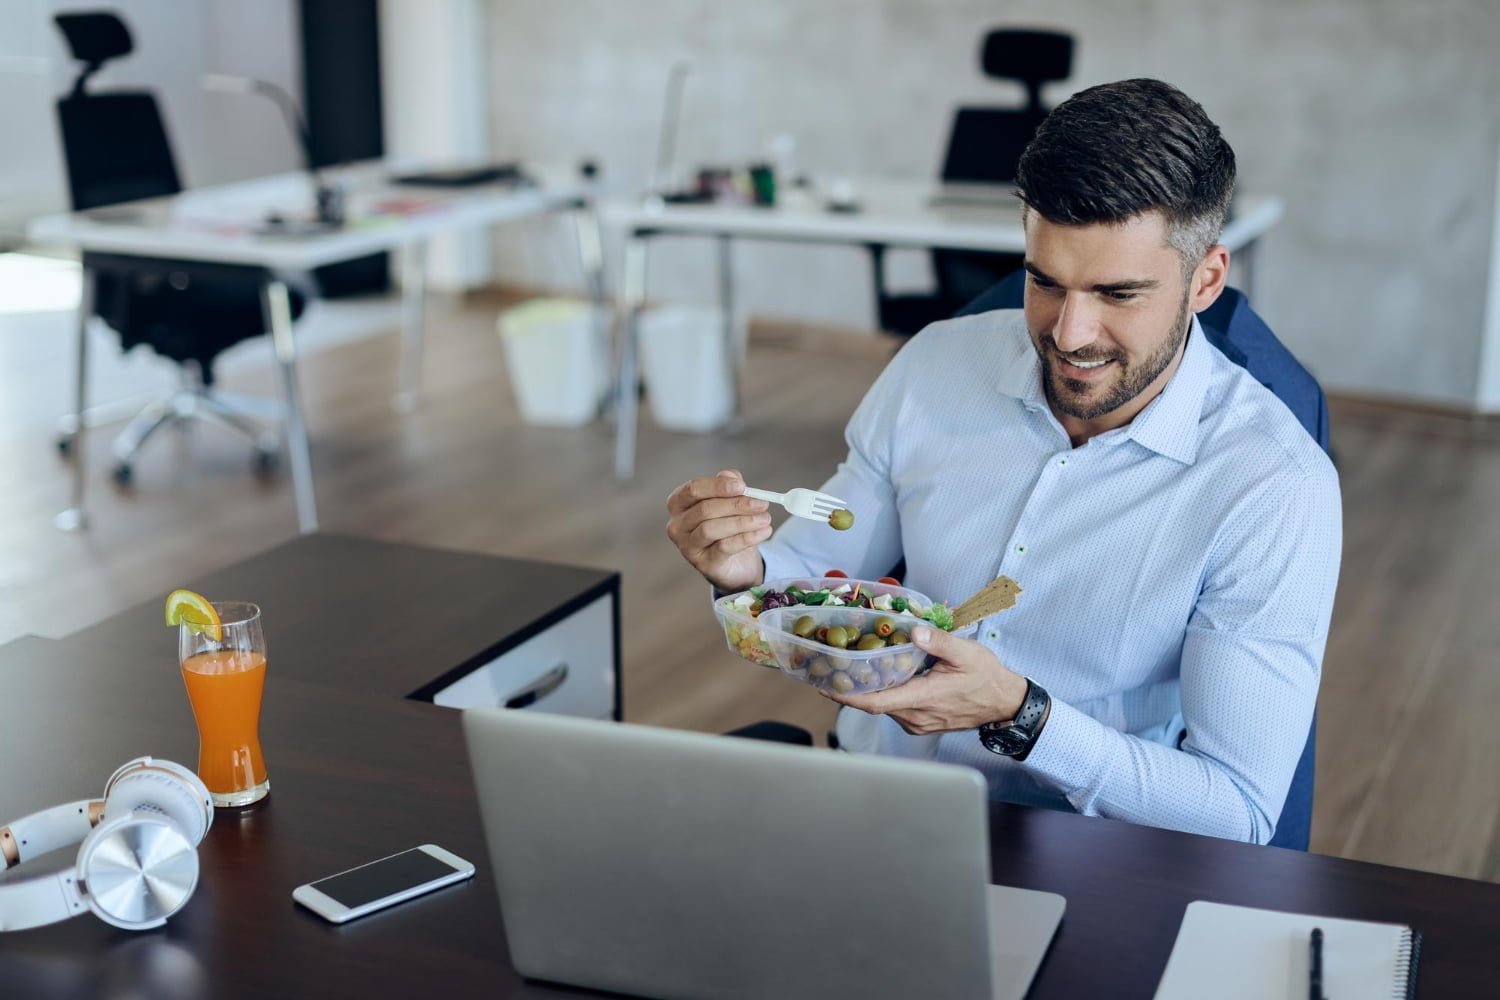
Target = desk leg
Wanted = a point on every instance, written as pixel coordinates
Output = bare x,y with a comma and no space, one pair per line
75,518
591,249
413,316
277,306
591,256
726,311
628,382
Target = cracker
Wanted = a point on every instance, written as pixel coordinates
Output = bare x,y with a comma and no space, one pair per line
996,596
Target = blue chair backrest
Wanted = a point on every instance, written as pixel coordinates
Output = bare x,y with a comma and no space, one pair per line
1234,328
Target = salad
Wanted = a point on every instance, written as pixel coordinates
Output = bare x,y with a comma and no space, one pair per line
834,633
758,599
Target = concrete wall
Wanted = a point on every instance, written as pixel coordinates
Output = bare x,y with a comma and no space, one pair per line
1376,121
216,137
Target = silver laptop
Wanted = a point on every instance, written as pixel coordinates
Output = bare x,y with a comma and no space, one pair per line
671,864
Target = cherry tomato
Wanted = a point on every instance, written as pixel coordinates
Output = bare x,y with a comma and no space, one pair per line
890,580
840,574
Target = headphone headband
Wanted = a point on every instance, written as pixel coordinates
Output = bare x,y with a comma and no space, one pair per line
48,830
36,902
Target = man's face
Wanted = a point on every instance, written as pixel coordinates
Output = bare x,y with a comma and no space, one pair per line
1107,307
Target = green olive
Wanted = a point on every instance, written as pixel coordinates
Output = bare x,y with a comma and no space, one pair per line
837,637
841,682
898,638
871,641
804,627
819,668
841,519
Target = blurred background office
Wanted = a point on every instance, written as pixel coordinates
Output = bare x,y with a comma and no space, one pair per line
1372,121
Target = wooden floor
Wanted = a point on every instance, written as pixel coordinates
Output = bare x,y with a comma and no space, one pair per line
1409,748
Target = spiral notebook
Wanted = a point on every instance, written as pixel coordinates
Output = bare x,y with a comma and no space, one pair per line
1241,953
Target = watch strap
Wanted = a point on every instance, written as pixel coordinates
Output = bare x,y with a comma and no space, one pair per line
1025,727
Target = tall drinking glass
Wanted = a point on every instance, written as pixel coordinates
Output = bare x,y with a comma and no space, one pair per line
225,675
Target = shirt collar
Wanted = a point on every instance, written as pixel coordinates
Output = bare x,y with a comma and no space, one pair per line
1022,379
1169,423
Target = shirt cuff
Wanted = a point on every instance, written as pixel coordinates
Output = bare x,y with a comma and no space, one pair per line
780,564
1071,755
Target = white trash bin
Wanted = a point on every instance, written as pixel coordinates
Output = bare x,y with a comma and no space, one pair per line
557,352
688,373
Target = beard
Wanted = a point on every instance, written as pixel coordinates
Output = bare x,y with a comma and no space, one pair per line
1075,398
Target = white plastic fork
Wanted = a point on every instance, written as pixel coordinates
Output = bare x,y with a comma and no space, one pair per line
810,504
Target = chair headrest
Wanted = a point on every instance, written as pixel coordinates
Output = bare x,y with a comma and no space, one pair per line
1032,56
95,36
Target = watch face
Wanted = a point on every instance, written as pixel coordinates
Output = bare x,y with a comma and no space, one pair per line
1007,740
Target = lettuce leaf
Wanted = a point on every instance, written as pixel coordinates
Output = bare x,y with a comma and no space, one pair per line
940,616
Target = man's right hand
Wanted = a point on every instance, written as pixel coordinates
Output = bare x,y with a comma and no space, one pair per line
717,528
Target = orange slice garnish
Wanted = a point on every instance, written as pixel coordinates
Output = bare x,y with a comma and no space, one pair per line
184,607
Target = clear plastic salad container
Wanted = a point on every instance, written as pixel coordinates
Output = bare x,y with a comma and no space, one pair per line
767,638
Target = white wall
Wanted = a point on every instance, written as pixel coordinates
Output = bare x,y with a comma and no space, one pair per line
216,137
435,101
1375,120
1489,358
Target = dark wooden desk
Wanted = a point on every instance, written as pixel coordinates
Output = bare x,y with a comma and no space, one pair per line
358,771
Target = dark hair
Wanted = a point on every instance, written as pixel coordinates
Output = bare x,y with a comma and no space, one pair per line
1112,152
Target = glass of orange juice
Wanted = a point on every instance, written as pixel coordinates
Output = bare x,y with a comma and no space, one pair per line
224,668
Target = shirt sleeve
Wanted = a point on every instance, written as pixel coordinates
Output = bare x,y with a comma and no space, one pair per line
870,549
1251,660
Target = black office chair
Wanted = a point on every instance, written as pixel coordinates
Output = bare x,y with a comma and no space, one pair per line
117,150
984,147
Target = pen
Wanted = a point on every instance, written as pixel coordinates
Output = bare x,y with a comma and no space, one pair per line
1315,967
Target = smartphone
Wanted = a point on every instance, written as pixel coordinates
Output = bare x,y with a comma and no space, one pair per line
382,883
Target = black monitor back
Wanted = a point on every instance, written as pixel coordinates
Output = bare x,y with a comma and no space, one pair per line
985,145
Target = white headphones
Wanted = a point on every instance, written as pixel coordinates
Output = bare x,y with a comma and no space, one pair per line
138,860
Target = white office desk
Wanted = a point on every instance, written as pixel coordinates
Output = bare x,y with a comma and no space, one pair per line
225,226
892,213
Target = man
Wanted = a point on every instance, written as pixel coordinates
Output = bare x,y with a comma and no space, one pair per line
1175,530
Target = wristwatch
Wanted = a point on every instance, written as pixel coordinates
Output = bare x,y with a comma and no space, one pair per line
1015,738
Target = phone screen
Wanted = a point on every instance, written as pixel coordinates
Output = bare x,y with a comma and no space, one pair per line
382,878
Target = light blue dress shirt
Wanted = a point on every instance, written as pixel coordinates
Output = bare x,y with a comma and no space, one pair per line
1178,572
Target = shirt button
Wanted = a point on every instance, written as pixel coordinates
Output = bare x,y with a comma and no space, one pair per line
1062,461
1021,549
992,634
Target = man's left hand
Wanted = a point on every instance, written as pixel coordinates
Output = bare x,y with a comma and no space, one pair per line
967,687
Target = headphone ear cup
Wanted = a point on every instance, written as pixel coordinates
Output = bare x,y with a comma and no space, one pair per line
162,788
136,870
